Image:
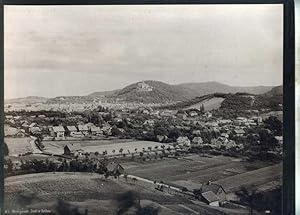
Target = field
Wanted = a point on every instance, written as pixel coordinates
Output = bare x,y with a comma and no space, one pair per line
92,191
57,147
196,170
209,104
18,146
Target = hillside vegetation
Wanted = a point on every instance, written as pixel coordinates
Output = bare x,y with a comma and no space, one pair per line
150,92
272,99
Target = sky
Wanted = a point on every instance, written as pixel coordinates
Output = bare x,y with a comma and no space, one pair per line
76,50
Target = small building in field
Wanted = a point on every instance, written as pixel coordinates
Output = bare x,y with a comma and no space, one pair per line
72,150
114,168
210,198
217,189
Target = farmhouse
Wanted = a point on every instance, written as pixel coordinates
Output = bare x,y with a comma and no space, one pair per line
114,169
210,198
58,131
217,189
95,130
83,129
72,150
239,132
72,130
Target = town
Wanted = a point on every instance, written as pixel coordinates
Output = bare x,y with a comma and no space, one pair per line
212,158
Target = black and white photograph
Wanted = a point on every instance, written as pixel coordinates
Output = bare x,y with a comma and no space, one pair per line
143,109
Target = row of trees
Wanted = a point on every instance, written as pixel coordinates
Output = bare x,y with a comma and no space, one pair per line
38,166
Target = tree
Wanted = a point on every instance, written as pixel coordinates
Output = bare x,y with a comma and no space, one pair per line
9,166
202,110
174,134
158,130
247,196
267,140
126,177
121,150
274,124
141,154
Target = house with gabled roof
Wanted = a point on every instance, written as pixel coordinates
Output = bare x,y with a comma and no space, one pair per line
83,129
59,132
95,130
114,168
217,189
72,149
210,198
73,132
239,132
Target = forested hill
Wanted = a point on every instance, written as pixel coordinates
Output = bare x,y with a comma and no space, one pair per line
272,99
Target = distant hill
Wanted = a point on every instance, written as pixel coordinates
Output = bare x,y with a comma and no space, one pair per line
70,100
153,92
275,91
26,100
206,88
159,92
103,94
232,101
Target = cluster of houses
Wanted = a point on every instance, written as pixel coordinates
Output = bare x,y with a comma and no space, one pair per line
89,129
16,126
